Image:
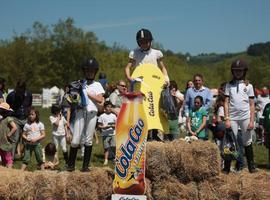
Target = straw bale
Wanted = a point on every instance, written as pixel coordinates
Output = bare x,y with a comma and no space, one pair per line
10,183
220,187
193,161
148,192
95,185
103,177
255,186
15,184
174,154
171,189
80,186
200,160
157,166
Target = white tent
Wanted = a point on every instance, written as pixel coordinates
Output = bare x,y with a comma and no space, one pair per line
54,90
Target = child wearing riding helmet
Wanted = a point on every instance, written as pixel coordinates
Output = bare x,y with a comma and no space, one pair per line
86,114
239,111
145,54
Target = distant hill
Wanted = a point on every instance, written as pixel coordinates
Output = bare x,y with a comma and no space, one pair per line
259,49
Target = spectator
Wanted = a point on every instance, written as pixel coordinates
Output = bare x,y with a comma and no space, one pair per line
262,100
33,133
64,104
198,90
102,78
7,129
2,90
106,122
20,100
50,157
189,84
218,124
178,99
59,130
116,97
266,126
196,120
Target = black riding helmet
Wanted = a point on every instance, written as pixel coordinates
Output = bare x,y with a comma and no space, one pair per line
90,63
144,34
239,65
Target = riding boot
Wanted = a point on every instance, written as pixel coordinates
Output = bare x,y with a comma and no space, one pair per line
250,159
72,159
227,166
86,158
65,155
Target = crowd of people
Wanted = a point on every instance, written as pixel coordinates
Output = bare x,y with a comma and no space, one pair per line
89,106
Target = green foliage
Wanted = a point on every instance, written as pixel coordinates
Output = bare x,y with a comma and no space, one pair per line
259,49
50,55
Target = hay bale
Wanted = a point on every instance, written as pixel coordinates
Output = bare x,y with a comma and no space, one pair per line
148,192
255,186
103,177
220,187
174,154
94,185
193,161
10,183
42,186
80,186
157,166
171,189
15,184
200,160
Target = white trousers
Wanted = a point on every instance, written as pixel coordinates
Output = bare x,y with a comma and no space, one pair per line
84,127
246,134
60,140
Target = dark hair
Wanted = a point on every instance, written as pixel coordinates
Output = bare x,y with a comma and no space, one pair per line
106,103
199,97
32,108
173,84
20,86
101,75
50,149
55,109
220,98
198,75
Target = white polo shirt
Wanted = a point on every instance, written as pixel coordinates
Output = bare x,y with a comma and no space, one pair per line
96,89
239,95
145,57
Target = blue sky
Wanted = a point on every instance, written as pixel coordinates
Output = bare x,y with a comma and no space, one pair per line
202,26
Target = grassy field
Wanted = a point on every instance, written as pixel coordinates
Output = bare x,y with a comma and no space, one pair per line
261,155
97,154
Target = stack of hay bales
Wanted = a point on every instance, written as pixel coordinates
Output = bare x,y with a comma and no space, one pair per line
15,184
181,170
194,161
174,170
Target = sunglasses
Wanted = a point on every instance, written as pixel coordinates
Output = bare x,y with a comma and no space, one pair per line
124,86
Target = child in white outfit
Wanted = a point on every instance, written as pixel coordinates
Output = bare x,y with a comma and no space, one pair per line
59,130
106,122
